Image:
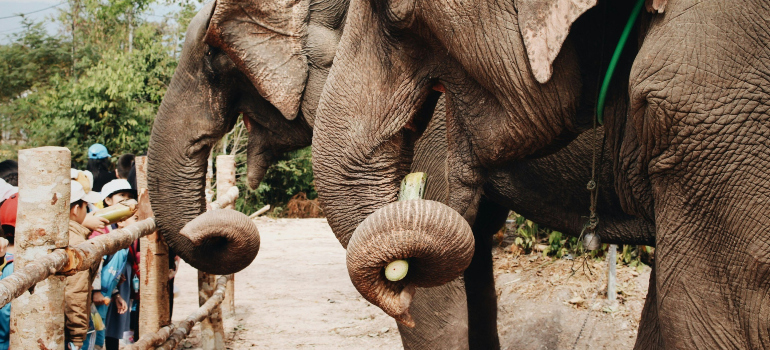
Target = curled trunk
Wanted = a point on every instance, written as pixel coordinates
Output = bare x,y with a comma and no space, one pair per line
436,241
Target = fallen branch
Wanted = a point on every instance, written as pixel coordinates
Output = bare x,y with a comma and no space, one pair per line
228,198
174,333
70,260
260,212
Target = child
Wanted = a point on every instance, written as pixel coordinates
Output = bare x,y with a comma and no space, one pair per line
123,168
99,165
116,274
8,222
77,293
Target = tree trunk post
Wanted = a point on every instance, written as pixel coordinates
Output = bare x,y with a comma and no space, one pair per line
612,259
212,329
225,180
153,269
37,320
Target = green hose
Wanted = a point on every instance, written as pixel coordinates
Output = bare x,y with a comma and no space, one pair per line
614,61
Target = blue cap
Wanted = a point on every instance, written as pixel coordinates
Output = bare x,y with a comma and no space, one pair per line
97,151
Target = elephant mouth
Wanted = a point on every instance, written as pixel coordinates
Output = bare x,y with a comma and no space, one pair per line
415,126
259,157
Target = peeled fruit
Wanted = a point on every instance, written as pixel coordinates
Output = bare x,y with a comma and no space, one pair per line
396,270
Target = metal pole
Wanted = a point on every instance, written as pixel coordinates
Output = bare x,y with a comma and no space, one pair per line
225,180
612,258
37,320
153,269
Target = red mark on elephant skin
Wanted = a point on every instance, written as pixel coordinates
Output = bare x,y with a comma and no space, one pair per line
54,199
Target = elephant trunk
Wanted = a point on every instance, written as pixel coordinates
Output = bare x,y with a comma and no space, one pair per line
219,242
221,236
435,240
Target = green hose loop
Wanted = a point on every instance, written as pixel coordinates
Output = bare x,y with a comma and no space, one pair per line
614,62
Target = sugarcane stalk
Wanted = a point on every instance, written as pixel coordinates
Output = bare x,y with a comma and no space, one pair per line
412,187
118,211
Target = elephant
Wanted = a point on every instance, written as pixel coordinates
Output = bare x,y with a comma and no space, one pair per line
220,75
686,126
266,60
549,190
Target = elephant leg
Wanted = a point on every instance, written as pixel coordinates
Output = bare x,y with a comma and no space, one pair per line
648,336
441,319
480,281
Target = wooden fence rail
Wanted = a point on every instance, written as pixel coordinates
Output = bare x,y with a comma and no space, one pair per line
71,259
168,337
47,256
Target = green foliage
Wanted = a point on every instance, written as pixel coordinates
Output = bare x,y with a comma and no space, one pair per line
113,103
291,174
90,83
30,60
529,236
526,234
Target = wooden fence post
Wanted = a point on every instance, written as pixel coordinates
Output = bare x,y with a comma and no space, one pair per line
153,269
212,328
225,180
37,320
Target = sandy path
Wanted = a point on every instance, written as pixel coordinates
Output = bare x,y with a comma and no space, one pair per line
296,295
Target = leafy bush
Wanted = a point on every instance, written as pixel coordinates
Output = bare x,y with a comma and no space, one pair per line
291,174
113,103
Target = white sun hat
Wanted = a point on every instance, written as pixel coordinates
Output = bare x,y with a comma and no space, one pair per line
115,186
78,193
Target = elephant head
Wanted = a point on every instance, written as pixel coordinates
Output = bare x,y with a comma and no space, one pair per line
512,84
265,60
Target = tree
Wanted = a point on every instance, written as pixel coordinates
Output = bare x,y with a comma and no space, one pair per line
113,103
32,58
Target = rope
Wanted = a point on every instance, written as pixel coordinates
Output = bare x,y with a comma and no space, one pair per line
593,219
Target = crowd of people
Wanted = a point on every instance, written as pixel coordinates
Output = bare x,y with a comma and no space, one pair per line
102,303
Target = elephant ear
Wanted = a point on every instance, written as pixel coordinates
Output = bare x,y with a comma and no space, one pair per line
544,25
265,40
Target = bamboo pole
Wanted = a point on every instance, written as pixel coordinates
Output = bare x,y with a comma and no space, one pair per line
169,336
225,181
37,320
260,212
153,268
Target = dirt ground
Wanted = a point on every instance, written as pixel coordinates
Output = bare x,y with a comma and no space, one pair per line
297,295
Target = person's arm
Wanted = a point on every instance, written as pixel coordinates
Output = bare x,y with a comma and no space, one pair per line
93,222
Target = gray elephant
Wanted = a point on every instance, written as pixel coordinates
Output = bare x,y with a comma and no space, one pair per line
221,73
266,60
687,126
